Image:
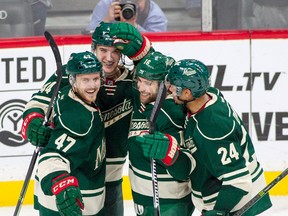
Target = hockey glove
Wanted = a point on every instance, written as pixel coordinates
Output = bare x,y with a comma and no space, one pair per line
34,131
129,40
160,146
68,196
214,213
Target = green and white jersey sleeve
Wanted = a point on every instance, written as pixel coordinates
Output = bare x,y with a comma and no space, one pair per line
170,120
227,173
77,146
40,100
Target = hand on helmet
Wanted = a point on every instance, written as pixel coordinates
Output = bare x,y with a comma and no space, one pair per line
129,40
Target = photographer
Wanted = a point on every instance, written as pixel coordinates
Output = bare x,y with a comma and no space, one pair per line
148,16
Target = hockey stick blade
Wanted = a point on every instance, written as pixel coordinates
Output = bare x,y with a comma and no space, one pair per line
36,152
54,48
155,111
265,190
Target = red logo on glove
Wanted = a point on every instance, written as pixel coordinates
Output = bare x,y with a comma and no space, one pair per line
63,184
173,151
26,122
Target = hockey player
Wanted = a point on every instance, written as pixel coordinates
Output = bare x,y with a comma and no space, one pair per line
227,174
174,189
115,103
71,167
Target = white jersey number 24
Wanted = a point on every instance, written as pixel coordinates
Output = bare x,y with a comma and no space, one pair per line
228,154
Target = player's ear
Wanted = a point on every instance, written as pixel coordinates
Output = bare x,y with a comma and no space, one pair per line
187,93
72,81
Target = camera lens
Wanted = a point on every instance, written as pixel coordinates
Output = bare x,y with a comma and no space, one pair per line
128,11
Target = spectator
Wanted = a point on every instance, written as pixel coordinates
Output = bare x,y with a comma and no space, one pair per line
225,13
39,13
250,14
149,16
193,8
265,14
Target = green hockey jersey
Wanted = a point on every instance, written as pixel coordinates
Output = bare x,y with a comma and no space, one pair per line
227,174
115,102
77,146
171,190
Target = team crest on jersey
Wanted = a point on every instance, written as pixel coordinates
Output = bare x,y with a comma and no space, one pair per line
189,144
137,126
118,112
100,155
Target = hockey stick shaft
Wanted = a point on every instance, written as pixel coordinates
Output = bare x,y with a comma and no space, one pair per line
58,60
155,111
36,152
26,181
265,190
155,188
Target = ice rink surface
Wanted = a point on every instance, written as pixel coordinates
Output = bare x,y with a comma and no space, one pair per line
279,208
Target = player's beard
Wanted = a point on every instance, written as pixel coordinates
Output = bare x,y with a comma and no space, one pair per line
91,97
87,95
147,98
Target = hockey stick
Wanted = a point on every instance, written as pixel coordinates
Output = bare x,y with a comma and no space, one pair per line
155,111
57,56
265,190
58,60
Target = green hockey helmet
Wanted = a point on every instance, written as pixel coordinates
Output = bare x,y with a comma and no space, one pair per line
83,63
101,35
154,66
191,74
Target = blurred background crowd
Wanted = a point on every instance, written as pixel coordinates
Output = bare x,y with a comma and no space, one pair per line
20,18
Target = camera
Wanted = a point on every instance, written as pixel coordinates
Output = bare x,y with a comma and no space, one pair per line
128,10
